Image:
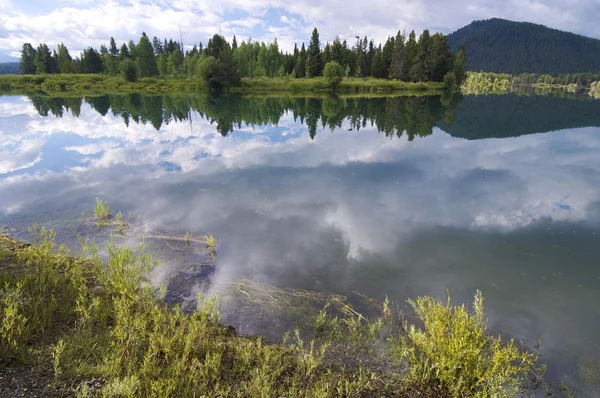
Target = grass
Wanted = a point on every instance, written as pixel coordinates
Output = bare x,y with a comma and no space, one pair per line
114,328
351,85
90,84
99,318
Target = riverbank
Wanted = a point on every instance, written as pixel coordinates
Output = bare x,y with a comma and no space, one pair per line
104,84
86,325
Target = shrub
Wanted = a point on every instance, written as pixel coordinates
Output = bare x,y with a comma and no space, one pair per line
450,82
102,213
454,353
334,73
129,70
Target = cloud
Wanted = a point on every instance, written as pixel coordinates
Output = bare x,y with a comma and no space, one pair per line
80,23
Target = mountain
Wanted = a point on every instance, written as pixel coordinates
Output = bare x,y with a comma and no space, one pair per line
498,45
10,68
8,58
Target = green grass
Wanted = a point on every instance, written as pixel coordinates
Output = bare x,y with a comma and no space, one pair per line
349,85
93,317
81,84
89,84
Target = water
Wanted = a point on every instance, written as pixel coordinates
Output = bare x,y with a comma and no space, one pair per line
399,196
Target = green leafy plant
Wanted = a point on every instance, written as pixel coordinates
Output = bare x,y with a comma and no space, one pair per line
334,73
454,353
101,213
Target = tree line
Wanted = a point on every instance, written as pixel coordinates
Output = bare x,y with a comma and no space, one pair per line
222,63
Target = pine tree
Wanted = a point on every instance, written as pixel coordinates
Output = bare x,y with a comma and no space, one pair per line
314,62
388,54
64,60
124,53
378,66
398,61
234,44
157,46
327,54
337,52
114,51
424,56
411,53
91,61
43,59
459,65
301,63
162,66
174,62
144,57
28,59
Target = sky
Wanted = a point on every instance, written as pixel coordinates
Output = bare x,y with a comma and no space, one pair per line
81,23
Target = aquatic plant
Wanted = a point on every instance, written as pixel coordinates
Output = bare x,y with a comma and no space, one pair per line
122,224
101,213
211,242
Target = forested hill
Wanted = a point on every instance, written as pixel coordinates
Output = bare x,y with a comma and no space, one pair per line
498,45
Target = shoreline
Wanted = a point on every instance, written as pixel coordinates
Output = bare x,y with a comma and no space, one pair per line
344,349
105,84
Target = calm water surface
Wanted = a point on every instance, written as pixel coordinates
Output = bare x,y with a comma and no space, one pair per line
400,197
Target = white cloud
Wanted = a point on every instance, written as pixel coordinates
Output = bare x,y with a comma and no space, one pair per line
80,23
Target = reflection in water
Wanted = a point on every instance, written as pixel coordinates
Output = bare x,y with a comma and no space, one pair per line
352,210
393,115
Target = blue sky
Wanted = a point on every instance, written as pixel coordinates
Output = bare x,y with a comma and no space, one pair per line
80,23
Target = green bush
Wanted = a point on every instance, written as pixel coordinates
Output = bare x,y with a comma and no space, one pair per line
334,73
450,82
453,352
129,70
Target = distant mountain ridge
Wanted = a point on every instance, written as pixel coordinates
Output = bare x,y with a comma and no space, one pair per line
499,45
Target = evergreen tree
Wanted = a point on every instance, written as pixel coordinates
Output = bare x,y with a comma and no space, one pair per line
301,63
411,53
314,62
234,44
28,59
161,63
114,51
327,56
388,54
144,57
91,61
424,56
378,66
124,53
53,67
459,65
441,57
398,61
157,46
337,52
64,60
43,59
132,49
175,62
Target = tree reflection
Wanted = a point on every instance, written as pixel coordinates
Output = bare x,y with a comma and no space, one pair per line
394,116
